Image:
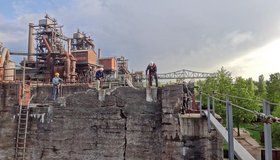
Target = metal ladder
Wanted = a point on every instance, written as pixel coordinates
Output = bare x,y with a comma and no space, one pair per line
21,133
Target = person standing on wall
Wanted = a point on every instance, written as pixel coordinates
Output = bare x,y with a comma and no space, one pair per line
99,75
152,68
56,85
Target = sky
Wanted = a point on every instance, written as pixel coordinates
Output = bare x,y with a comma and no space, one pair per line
241,36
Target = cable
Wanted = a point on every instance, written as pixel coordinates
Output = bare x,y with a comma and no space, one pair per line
271,103
237,97
218,99
245,109
263,117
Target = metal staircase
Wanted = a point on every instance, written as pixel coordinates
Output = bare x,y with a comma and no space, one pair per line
21,133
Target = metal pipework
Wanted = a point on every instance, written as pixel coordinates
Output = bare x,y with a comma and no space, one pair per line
31,48
98,55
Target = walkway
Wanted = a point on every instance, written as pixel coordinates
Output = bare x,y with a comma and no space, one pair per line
250,144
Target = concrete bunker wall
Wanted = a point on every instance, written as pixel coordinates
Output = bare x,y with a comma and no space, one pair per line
124,126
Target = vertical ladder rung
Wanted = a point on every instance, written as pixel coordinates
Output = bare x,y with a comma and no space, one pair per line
21,134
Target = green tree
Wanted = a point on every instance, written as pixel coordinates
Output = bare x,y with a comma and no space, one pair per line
220,84
273,88
276,129
246,90
273,95
261,88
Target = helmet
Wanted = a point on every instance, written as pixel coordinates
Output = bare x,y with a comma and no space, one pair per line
101,69
151,63
56,74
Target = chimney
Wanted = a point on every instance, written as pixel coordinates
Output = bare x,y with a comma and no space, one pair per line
31,48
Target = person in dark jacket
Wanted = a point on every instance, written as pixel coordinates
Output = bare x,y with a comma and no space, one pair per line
99,75
152,68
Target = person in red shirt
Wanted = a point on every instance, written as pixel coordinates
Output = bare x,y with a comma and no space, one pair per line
152,68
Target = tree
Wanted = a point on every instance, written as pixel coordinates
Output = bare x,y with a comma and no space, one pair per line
220,84
276,129
245,89
273,88
261,88
273,95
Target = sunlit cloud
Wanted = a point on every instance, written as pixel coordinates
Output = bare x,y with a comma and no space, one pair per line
263,60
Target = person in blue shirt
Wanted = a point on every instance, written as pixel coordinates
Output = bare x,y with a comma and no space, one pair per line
99,75
56,85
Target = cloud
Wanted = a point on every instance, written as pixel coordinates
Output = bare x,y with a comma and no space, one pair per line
12,37
197,35
237,37
262,60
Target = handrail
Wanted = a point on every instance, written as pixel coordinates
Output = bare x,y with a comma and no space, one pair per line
239,150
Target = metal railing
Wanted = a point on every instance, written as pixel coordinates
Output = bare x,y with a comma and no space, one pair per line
234,147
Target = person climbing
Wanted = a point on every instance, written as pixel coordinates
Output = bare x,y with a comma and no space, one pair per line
99,75
152,68
56,85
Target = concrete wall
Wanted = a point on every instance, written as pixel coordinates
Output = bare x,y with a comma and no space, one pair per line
8,125
172,138
198,143
44,92
124,126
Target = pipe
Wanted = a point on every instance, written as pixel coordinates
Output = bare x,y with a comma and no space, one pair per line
67,69
98,55
48,57
90,43
73,69
31,49
5,56
47,44
69,47
70,64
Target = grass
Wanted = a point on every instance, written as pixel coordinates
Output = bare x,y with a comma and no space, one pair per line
255,130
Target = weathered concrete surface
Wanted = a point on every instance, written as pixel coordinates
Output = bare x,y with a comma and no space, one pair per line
198,143
8,102
123,126
44,92
172,145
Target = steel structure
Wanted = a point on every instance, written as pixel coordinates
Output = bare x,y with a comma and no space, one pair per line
74,58
82,47
81,41
51,54
185,74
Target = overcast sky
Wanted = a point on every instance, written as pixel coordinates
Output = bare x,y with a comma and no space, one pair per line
199,35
